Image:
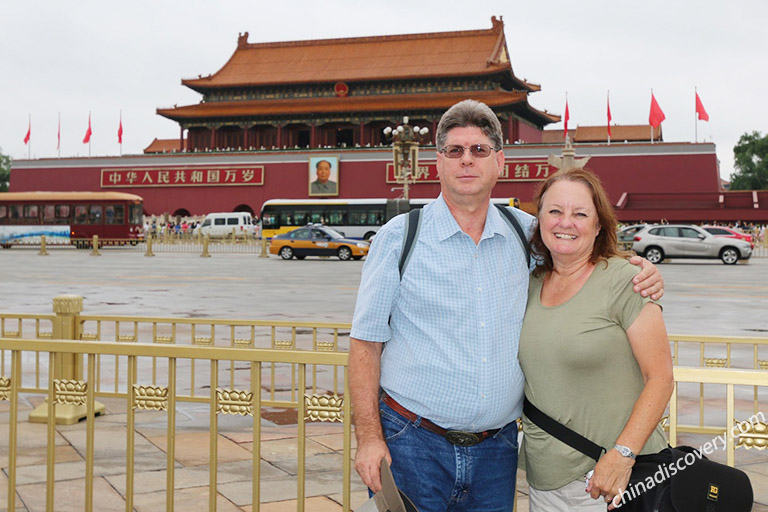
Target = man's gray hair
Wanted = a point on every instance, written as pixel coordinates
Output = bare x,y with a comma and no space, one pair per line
470,113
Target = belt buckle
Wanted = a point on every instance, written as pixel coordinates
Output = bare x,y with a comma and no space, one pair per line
460,438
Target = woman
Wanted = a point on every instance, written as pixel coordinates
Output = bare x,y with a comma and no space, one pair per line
595,354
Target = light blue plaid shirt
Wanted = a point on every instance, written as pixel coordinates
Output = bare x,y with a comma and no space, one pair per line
452,325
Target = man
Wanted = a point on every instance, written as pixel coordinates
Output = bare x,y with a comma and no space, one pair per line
440,402
323,185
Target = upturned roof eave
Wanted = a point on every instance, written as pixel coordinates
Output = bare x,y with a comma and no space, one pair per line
331,105
524,86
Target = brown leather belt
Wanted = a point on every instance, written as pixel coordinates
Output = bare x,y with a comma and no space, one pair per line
456,437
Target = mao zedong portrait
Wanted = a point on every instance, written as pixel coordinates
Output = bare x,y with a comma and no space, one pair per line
323,183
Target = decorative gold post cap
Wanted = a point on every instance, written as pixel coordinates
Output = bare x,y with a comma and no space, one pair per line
67,304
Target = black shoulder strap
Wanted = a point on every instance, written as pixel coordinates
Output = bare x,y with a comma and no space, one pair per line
412,225
512,221
561,432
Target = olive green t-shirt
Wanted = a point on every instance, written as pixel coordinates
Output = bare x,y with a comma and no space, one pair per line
580,370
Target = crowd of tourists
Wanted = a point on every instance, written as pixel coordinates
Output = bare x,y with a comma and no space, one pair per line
182,228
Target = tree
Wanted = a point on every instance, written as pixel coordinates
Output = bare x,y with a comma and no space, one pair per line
751,162
5,171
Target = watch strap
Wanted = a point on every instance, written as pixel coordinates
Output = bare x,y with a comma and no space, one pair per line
625,451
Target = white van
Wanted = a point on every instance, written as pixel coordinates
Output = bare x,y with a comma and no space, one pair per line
220,225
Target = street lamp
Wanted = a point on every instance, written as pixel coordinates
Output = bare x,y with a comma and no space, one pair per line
405,151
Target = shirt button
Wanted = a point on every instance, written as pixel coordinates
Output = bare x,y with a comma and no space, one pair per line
482,395
479,288
475,255
485,359
482,324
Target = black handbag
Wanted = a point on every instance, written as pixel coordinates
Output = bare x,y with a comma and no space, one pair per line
679,479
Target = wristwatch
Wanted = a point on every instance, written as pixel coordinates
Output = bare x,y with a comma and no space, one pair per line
624,451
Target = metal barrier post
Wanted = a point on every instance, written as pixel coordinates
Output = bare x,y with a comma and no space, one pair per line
149,245
68,372
43,250
205,254
234,236
95,250
263,253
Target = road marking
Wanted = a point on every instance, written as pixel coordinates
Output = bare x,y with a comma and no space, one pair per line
729,295
184,278
729,287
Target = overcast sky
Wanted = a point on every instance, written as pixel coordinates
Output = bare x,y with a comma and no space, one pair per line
69,58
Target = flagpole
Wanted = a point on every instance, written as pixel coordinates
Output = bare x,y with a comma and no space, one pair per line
695,119
58,140
121,132
567,116
609,119
649,123
29,146
91,135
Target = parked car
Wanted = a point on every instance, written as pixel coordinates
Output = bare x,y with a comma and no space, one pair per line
627,233
317,240
221,225
658,242
729,233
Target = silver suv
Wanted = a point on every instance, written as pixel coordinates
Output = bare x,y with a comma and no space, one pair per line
658,242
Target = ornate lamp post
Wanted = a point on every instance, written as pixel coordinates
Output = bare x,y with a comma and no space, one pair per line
405,151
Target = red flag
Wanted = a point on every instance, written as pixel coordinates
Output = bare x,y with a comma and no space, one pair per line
703,116
567,117
656,116
58,136
29,133
88,132
608,103
120,131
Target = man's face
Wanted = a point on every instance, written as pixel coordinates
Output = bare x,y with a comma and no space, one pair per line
323,171
468,179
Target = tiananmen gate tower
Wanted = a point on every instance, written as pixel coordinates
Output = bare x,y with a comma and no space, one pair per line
275,107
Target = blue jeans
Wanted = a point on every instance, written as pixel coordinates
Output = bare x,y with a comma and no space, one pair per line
441,477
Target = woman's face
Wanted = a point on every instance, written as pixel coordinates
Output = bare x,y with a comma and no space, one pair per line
568,221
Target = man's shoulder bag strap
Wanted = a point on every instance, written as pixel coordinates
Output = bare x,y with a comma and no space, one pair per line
515,225
413,224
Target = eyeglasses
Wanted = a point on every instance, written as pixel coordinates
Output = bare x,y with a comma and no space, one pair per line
476,150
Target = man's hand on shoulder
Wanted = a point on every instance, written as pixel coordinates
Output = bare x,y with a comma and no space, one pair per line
368,461
649,281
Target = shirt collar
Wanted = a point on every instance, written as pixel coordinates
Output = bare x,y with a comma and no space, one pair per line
446,225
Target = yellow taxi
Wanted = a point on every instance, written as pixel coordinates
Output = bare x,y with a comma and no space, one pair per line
317,240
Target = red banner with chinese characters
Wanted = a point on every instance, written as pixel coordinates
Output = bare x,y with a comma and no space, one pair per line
514,170
208,176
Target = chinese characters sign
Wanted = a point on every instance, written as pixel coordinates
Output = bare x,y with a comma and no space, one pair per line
209,176
514,170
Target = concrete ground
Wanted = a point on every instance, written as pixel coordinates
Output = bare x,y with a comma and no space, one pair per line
701,298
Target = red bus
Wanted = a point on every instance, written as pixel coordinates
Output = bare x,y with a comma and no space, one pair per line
69,217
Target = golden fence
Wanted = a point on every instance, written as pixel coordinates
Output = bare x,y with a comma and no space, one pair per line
169,242
251,368
68,397
749,432
195,243
713,352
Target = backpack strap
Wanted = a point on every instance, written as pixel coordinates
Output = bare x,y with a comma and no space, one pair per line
412,226
515,225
